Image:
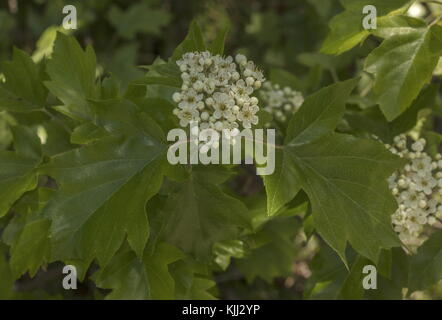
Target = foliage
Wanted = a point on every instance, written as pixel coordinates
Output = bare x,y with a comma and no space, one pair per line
85,181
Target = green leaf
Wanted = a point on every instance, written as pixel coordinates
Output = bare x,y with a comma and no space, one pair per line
72,74
391,25
161,110
426,265
45,43
197,214
32,248
27,234
110,88
56,136
286,79
194,41
434,140
26,209
7,283
200,287
344,177
373,121
403,64
132,278
87,133
217,45
283,184
316,118
331,280
189,284
352,287
23,90
274,253
164,81
328,275
18,170
391,288
345,180
123,63
103,190
164,69
319,115
138,18
347,29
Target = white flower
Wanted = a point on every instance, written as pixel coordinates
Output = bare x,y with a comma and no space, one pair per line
411,199
418,191
247,116
223,104
425,183
186,115
421,165
418,146
241,90
218,91
190,99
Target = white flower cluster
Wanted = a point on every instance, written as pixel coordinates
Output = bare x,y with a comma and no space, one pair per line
418,191
280,102
217,91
